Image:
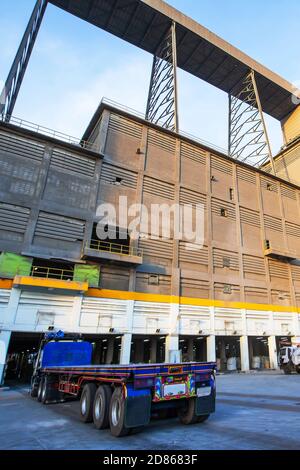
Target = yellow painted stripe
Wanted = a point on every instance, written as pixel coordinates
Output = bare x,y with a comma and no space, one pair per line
28,281
6,283
122,295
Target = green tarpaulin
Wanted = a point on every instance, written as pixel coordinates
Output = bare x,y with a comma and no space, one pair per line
87,273
12,265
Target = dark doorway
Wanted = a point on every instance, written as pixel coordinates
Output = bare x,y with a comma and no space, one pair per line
228,352
106,348
117,240
22,352
193,348
148,349
259,352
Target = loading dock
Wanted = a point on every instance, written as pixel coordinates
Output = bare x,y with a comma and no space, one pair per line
259,353
193,348
147,349
20,358
228,353
106,348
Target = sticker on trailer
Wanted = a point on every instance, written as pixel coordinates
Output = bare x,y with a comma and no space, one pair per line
203,392
175,390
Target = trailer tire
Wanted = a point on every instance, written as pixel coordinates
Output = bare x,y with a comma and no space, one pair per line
137,430
40,389
101,407
44,395
287,370
202,419
34,389
87,403
187,415
117,414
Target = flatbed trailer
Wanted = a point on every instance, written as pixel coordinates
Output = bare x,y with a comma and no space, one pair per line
124,397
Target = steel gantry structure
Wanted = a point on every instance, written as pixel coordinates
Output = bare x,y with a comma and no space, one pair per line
248,137
177,41
15,77
162,104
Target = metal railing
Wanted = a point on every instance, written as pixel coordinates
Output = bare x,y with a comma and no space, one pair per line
274,248
52,273
140,115
23,124
115,249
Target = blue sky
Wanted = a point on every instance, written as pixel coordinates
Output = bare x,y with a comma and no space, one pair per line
75,64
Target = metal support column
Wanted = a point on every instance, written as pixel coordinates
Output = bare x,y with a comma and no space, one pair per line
162,105
248,137
15,77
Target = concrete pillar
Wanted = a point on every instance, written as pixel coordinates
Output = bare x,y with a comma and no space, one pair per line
126,349
153,351
273,352
127,337
4,344
173,353
11,310
77,306
244,346
211,348
110,350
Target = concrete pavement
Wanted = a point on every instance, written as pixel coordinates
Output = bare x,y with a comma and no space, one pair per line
257,411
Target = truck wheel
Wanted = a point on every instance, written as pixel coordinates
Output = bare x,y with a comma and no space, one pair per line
287,370
34,389
40,389
44,391
187,415
87,402
117,414
202,419
101,407
137,430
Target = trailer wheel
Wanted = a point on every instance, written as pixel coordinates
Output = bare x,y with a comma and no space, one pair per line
202,419
117,414
40,389
101,407
34,389
44,395
187,415
137,430
87,402
287,370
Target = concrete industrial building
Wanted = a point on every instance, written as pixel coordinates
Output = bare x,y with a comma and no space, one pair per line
235,300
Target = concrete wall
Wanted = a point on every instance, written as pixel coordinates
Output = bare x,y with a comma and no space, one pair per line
50,192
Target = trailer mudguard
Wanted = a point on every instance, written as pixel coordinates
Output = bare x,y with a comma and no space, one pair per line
137,407
205,405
